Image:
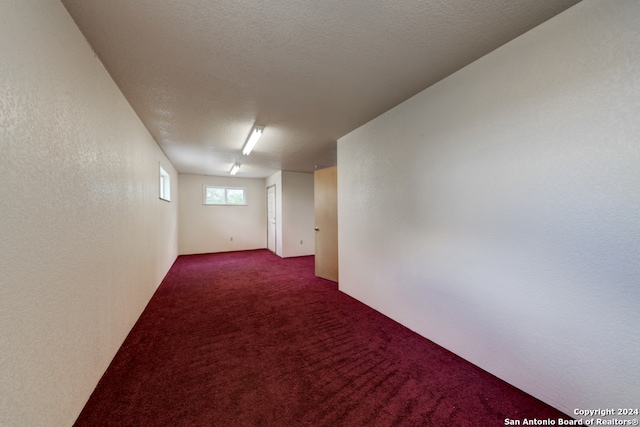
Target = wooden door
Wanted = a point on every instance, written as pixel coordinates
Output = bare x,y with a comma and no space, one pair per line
325,183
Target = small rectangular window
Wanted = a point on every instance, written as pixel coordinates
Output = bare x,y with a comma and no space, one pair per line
225,196
165,185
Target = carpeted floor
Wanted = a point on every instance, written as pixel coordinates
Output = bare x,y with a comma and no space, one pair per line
250,339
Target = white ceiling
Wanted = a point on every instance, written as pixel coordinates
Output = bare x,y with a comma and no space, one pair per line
200,73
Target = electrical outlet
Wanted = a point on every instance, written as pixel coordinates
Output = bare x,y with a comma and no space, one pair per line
300,241
231,239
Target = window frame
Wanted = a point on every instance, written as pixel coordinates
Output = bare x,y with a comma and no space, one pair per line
226,189
165,184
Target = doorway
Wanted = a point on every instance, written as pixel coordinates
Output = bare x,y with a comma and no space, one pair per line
271,218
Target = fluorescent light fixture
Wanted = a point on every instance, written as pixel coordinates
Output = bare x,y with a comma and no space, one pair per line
256,133
234,169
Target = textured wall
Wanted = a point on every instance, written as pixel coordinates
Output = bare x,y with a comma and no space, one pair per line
498,212
85,240
206,229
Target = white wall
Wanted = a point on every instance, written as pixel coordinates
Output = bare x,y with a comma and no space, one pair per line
85,239
498,212
207,229
298,214
294,213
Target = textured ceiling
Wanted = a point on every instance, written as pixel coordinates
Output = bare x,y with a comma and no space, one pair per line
200,73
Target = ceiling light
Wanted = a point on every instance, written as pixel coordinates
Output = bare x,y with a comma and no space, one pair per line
256,133
234,169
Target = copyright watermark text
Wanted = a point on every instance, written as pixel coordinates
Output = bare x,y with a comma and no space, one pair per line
585,417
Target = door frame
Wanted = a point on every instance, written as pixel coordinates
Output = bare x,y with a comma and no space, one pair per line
275,214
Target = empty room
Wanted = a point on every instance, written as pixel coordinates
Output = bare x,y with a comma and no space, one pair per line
339,213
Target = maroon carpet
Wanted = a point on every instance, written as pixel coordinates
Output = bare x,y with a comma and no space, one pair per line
250,339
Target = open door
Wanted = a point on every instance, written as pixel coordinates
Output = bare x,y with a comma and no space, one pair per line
325,182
